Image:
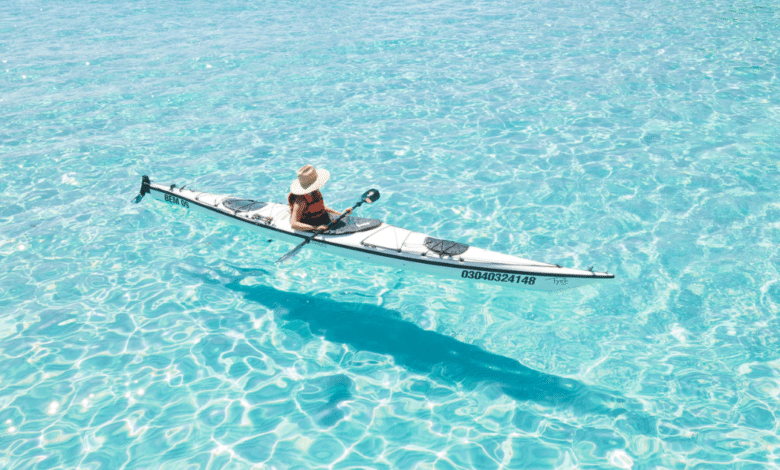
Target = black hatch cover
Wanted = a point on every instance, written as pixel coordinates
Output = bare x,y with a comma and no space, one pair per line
445,247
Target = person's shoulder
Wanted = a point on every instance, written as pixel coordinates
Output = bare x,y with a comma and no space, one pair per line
293,198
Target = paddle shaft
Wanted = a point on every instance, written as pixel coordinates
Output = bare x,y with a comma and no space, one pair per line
333,222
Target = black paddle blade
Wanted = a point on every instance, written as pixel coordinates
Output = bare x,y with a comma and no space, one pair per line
372,195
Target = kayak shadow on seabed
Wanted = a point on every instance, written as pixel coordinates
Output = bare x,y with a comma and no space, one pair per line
379,330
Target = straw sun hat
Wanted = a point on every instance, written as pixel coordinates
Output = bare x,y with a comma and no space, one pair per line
309,180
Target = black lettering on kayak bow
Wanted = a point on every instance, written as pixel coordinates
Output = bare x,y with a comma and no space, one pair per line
176,200
498,277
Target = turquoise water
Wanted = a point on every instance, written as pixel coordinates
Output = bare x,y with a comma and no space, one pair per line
637,137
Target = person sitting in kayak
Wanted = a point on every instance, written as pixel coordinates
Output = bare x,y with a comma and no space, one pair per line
307,208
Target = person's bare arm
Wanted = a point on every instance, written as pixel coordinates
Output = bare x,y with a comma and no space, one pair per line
335,212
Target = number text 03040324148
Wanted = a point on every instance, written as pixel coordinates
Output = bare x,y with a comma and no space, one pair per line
498,277
176,200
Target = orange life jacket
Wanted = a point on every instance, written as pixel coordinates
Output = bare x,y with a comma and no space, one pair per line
313,208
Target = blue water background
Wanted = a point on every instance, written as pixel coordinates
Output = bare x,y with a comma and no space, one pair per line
637,137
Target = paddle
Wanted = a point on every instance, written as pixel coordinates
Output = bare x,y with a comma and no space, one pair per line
369,196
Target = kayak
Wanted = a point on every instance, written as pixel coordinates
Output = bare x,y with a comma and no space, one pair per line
374,241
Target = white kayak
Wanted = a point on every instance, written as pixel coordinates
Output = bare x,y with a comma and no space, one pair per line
374,241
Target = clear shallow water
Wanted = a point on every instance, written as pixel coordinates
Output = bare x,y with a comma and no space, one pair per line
638,137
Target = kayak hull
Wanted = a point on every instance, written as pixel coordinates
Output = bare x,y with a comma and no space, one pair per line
383,244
